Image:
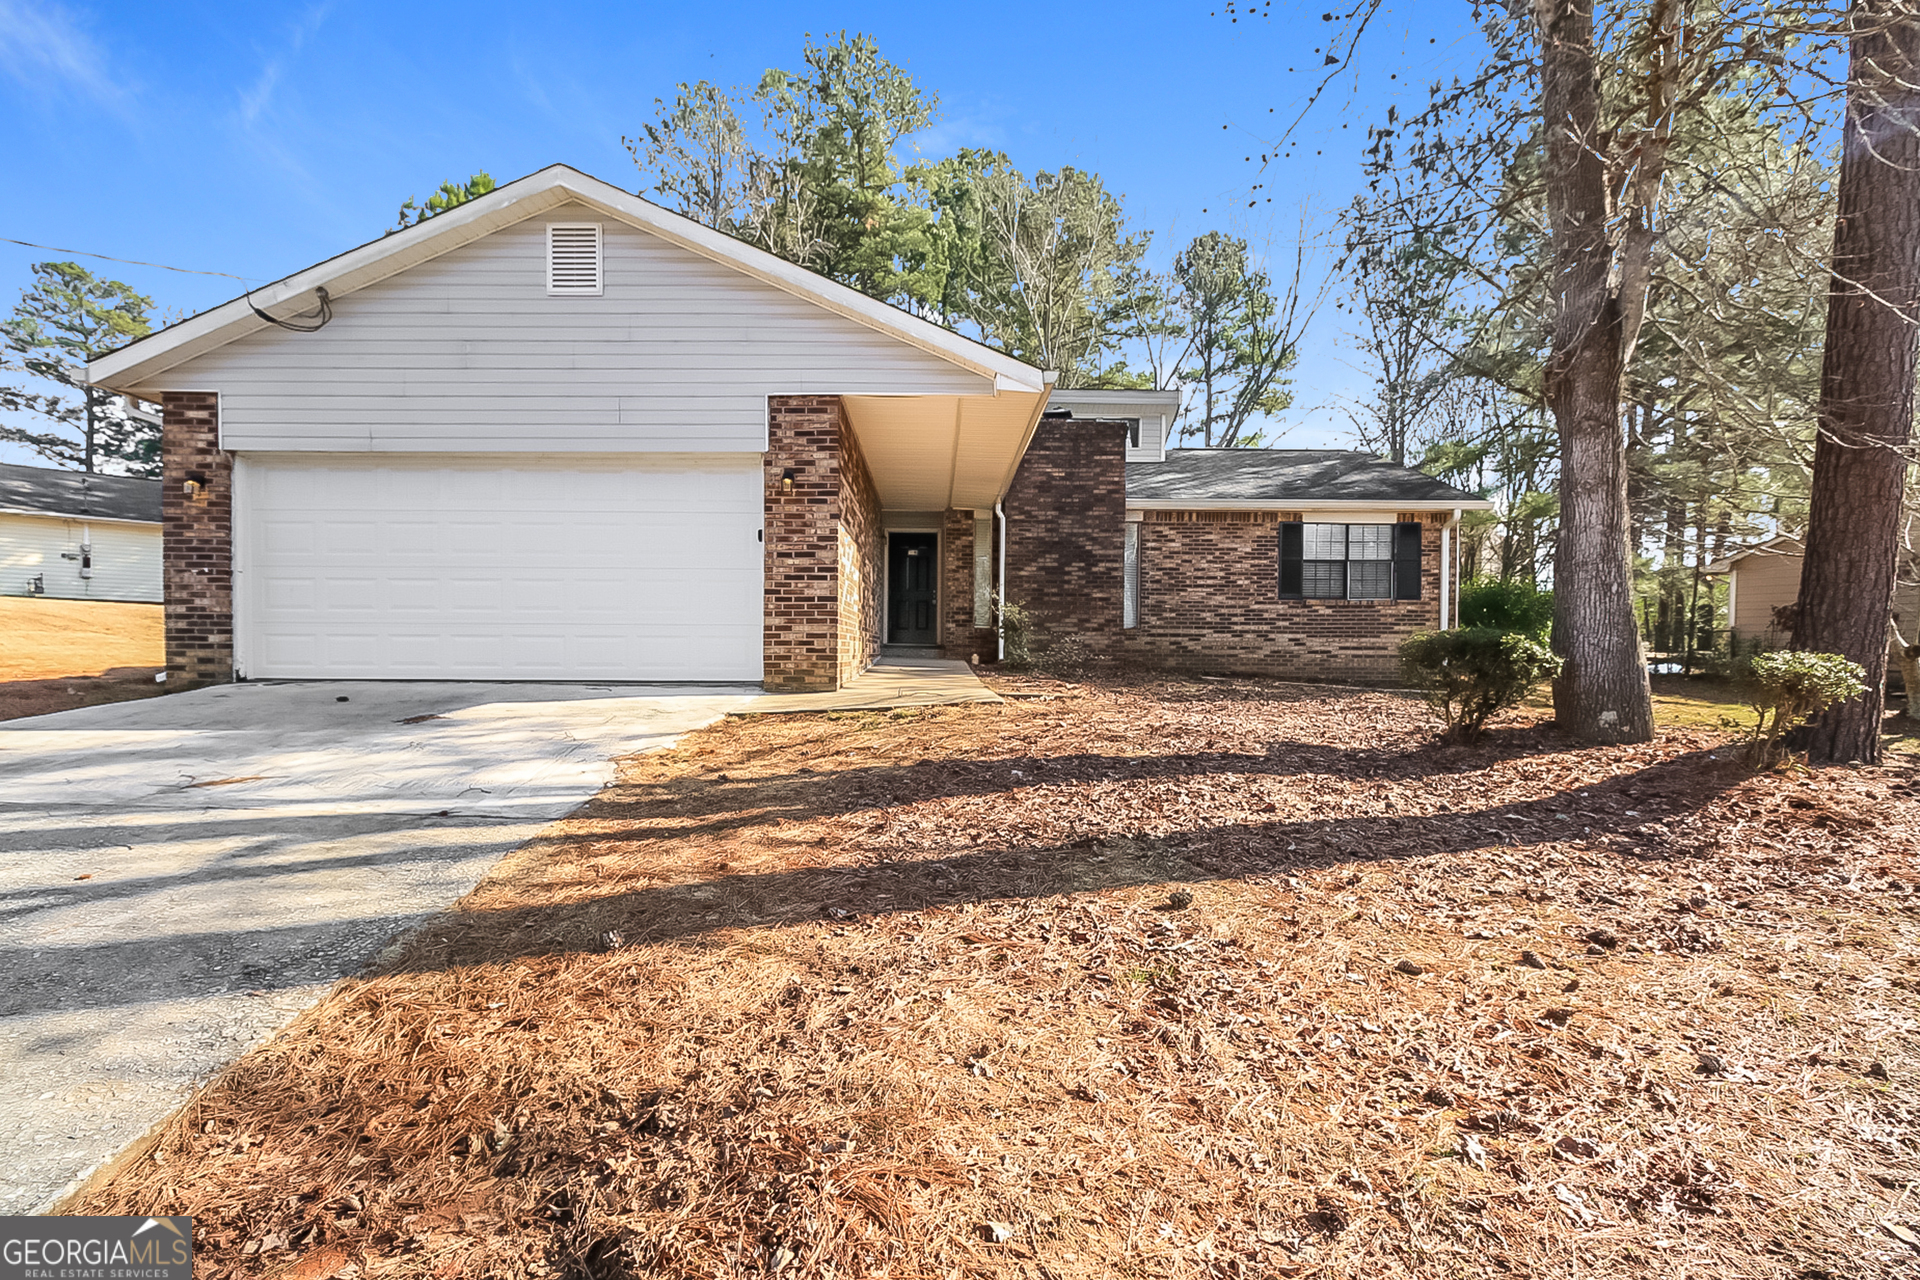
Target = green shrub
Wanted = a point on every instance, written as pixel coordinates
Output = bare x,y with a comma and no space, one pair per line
1506,604
1469,673
1016,624
1788,689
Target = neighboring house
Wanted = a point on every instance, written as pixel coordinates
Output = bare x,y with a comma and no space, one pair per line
560,433
76,535
1766,577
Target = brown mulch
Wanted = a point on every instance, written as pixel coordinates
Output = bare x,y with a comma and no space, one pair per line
1168,979
21,698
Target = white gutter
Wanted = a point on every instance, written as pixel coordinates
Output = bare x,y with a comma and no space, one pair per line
1000,614
69,515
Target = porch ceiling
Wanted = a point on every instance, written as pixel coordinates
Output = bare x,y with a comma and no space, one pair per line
929,453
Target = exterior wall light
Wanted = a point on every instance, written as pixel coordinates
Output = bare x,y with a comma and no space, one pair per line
786,480
196,485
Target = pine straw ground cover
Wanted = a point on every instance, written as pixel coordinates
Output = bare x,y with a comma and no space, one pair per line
924,995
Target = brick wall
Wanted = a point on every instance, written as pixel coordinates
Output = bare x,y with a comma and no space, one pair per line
959,638
862,562
196,538
822,557
1066,512
1210,601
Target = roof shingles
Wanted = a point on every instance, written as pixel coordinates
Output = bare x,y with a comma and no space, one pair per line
50,492
1305,476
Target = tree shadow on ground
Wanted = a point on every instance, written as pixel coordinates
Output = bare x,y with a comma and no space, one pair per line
1625,812
719,804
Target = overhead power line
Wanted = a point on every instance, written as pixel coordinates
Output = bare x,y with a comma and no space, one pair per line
132,262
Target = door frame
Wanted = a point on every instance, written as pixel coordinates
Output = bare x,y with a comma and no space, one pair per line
939,576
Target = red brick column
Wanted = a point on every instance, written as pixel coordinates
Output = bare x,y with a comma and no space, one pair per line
823,574
1066,516
863,573
959,638
196,538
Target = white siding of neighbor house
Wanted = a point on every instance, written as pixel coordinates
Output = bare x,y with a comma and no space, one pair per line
126,558
469,352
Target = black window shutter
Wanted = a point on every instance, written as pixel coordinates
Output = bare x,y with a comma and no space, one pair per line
1406,560
1293,547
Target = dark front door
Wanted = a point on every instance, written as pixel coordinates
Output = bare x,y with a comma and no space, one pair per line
913,591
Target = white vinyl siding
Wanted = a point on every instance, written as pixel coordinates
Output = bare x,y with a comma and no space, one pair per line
1151,445
125,558
469,353
636,567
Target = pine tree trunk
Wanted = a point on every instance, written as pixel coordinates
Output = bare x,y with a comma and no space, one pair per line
1866,376
1602,694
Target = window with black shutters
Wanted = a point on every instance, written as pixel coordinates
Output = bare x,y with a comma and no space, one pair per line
1350,561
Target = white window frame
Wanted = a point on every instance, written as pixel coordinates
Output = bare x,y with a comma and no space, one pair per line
1346,560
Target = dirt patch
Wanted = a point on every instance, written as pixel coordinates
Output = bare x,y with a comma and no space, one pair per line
1181,979
21,698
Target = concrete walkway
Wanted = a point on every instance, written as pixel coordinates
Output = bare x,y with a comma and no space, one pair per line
180,876
890,682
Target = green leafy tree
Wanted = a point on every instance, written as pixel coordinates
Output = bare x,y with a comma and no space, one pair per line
1060,277
698,154
451,195
64,319
811,165
839,123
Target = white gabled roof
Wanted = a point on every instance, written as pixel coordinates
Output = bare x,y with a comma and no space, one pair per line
523,198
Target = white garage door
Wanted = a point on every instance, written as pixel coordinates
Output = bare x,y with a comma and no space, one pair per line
499,569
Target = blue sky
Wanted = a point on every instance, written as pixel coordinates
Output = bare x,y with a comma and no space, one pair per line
258,138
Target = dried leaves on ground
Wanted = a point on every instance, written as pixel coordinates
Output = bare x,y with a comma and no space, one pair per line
1199,978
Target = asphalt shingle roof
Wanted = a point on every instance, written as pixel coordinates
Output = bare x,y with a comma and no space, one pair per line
47,491
1201,476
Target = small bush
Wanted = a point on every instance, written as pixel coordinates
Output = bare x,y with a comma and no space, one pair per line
1471,672
1786,690
1016,625
1506,604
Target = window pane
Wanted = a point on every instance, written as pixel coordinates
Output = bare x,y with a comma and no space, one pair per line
1323,579
1369,579
983,573
1130,592
1369,542
1326,542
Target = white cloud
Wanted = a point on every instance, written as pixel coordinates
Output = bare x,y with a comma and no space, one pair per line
255,99
41,46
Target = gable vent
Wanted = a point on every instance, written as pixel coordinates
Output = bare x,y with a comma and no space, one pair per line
573,258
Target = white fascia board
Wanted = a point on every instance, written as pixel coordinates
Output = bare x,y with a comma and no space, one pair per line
1316,504
1141,399
1026,438
549,188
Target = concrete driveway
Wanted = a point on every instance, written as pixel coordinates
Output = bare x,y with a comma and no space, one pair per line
180,876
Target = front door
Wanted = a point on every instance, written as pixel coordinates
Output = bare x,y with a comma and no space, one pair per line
913,591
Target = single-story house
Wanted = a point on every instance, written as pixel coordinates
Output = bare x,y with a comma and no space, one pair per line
78,535
1766,576
561,433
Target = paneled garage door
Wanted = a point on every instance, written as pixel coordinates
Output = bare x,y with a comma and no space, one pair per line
498,568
